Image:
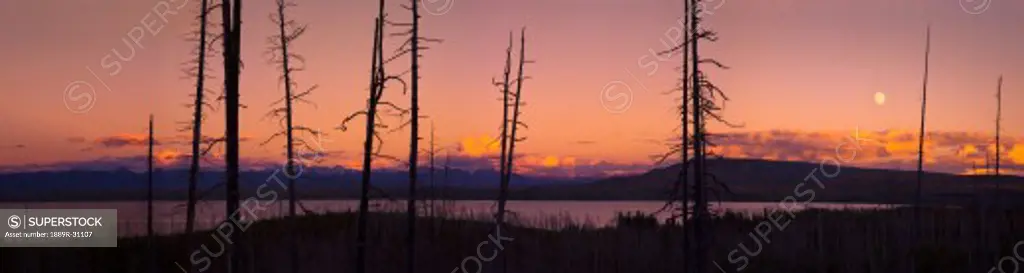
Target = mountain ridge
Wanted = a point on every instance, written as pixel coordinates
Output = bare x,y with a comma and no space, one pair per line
747,180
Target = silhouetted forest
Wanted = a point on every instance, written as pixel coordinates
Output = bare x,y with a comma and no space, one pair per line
953,240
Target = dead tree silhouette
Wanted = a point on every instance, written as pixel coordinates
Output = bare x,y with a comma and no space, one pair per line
708,100
503,184
371,114
999,119
513,139
433,190
445,179
920,147
517,103
289,62
150,248
378,81
412,46
231,11
414,137
700,202
684,179
704,99
680,192
198,70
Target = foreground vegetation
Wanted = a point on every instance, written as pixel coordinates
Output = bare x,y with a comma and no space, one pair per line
954,240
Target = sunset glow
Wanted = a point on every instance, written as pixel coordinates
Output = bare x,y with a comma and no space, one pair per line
800,75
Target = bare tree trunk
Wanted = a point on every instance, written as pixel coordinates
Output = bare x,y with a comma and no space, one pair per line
920,140
447,161
284,41
433,189
371,111
988,166
515,118
414,140
232,22
515,111
684,169
503,187
197,123
999,118
512,138
700,203
151,250
920,153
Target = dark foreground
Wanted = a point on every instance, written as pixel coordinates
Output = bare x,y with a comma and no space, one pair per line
953,240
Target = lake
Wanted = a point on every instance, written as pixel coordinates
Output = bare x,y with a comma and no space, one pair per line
169,215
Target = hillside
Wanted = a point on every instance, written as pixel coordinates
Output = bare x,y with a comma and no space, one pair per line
748,180
762,180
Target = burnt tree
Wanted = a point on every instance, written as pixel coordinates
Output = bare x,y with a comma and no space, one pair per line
920,146
503,184
373,142
197,68
413,45
231,11
515,122
284,58
150,248
707,101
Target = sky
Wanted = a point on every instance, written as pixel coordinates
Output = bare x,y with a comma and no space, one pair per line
81,78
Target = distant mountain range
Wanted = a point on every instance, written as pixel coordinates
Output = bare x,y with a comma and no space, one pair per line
773,181
312,183
747,180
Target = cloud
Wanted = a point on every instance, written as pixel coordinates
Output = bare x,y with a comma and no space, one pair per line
572,166
170,157
1016,154
141,140
163,159
951,152
529,163
569,166
124,140
205,139
479,146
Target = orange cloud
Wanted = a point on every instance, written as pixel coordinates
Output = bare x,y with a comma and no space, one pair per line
122,140
550,162
479,146
952,152
967,150
1016,154
168,157
376,163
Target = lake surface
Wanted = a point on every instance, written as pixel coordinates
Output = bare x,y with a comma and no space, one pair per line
169,216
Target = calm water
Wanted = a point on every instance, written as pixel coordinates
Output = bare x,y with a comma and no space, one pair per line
170,215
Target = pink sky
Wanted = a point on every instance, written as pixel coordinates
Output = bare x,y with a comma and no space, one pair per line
796,65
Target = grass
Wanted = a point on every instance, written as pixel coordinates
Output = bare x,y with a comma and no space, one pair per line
953,240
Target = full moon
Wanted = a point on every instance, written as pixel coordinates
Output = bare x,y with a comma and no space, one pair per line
879,98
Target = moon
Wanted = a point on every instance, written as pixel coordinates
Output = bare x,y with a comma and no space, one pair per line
879,98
